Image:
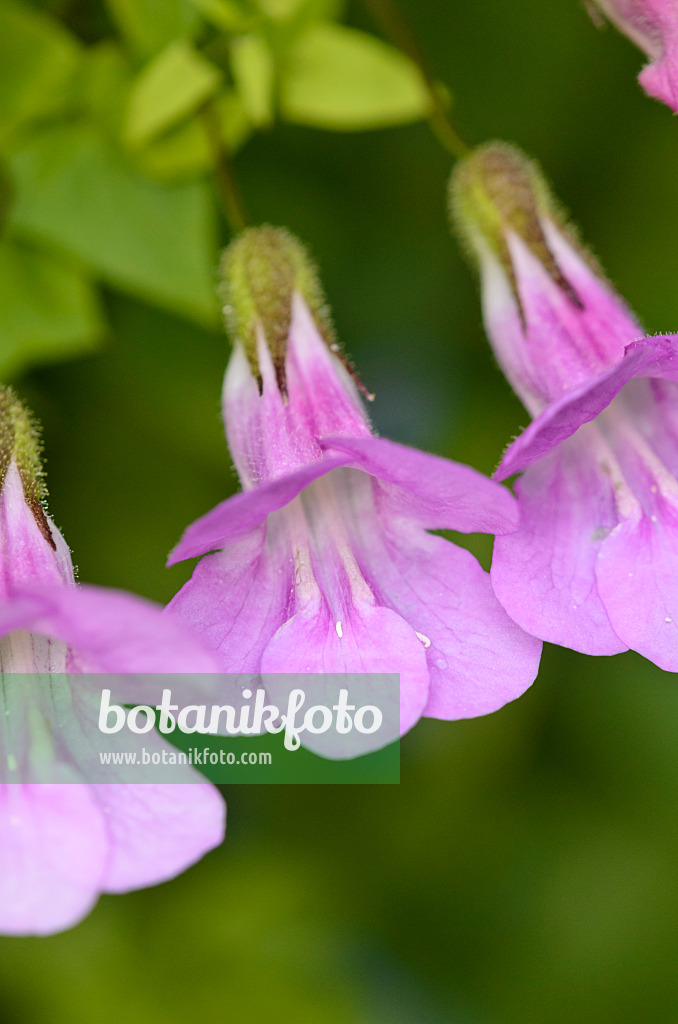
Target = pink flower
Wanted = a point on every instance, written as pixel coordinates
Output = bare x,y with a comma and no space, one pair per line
653,26
323,563
594,564
62,844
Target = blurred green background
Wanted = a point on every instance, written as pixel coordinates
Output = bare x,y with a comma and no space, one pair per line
526,868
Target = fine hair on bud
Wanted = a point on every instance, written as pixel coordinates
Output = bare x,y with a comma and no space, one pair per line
21,442
497,189
260,272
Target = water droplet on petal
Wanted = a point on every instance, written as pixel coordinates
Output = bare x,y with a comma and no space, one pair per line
339,630
424,639
668,619
653,519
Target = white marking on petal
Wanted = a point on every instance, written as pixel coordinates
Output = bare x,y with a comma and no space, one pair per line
424,639
21,651
668,619
339,630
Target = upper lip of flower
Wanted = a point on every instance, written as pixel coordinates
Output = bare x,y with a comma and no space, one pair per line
455,506
651,356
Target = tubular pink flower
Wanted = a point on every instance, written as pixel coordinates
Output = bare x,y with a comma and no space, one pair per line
62,844
653,26
323,563
594,564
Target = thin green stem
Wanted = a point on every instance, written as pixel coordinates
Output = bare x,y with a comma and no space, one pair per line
390,19
229,194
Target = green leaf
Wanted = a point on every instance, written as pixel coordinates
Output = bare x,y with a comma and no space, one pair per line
38,59
48,310
150,25
75,191
225,14
339,78
253,71
184,152
102,84
173,85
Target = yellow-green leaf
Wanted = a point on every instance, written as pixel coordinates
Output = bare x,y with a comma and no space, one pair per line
185,151
253,71
339,78
102,84
168,89
38,59
225,14
150,25
74,191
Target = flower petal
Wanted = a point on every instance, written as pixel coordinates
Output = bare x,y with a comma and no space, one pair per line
52,856
109,630
30,550
660,354
660,79
544,574
637,572
369,639
268,437
156,831
271,435
434,492
478,658
236,600
556,340
239,514
564,417
651,357
320,388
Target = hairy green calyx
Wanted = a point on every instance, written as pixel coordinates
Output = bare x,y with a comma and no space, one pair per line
497,189
20,441
260,272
